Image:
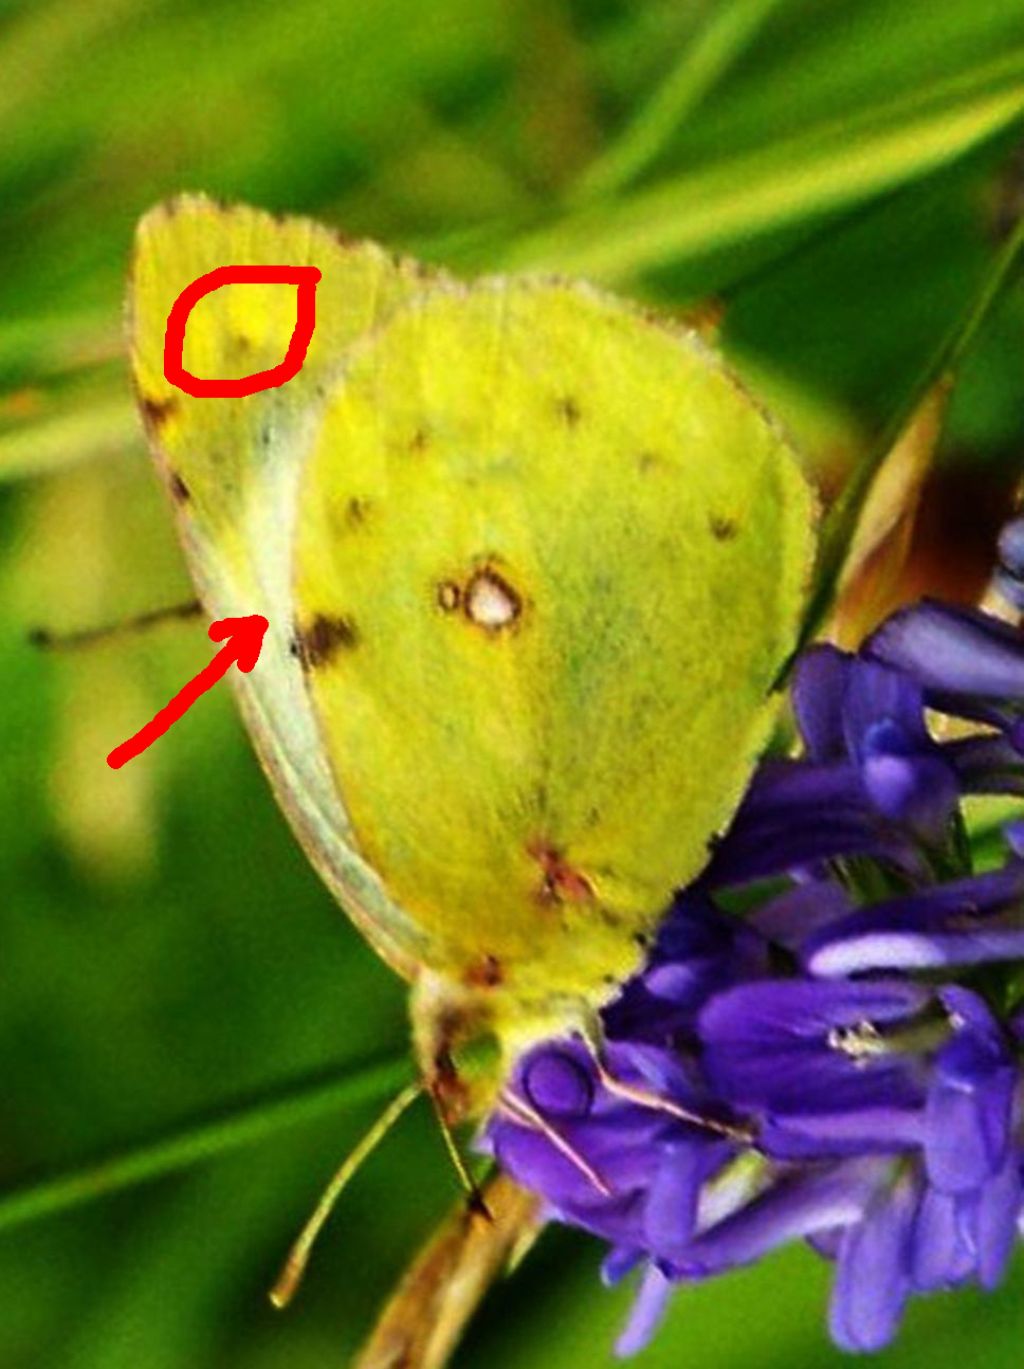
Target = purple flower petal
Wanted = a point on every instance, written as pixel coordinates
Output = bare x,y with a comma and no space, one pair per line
558,1085
1011,547
647,1312
918,790
671,1208
1010,586
872,716
697,952
957,1150
881,703
828,1242
828,1135
797,1205
873,1272
979,1047
970,1103
942,1255
620,1261
987,764
802,909
998,1214
1009,576
796,814
819,682
965,922
954,653
791,1046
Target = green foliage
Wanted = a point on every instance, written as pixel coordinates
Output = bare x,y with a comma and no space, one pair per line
840,173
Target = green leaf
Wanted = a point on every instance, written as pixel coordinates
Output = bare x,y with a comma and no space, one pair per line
194,1142
827,169
729,31
101,425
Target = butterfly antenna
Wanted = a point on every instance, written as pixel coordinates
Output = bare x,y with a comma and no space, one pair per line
475,1200
48,640
644,1098
591,1033
522,1112
294,1267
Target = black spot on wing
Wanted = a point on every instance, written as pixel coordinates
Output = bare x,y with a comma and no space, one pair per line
649,461
155,412
568,410
486,972
723,529
449,596
180,492
323,639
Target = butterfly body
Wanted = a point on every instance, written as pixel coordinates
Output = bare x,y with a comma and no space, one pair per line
532,562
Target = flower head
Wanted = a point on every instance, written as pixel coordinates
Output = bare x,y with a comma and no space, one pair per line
843,1062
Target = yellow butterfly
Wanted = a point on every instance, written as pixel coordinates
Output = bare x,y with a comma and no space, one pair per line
532,561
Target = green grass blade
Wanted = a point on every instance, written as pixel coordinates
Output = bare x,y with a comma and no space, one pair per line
728,33
945,361
197,1141
831,168
101,425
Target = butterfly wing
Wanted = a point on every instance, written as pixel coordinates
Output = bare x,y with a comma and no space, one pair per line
231,466
549,562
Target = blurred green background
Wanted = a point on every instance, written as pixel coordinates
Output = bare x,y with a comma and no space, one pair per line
838,172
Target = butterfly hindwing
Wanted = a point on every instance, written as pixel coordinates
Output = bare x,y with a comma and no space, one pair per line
231,466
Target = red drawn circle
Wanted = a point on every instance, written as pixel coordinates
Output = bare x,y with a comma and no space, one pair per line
304,278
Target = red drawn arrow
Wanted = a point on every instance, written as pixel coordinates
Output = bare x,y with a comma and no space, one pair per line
243,641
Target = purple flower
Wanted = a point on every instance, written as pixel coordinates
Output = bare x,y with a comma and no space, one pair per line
842,1063
1009,576
794,817
965,922
872,781
871,718
966,662
696,953
822,1065
969,1114
621,1148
